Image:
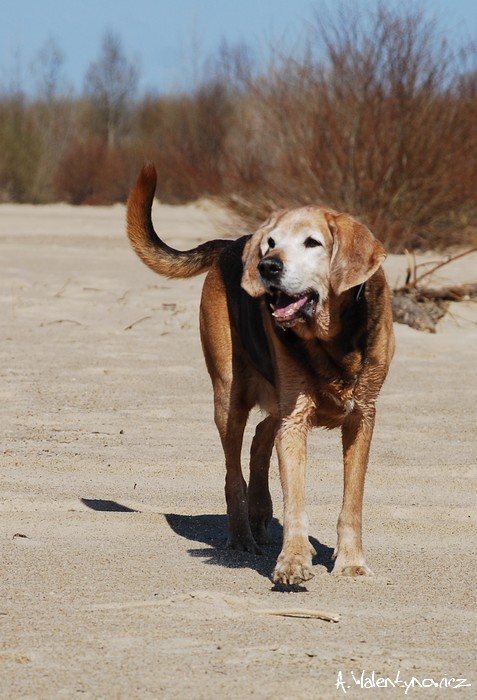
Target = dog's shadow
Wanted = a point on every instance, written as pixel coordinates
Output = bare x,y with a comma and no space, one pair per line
210,530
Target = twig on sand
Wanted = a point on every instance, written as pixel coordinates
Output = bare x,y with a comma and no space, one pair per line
298,612
61,320
134,323
412,279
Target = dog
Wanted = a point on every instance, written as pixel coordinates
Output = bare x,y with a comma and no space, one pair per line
295,319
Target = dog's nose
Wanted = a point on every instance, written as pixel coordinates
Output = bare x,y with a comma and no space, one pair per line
270,268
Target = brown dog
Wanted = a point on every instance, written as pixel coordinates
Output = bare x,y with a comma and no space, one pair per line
295,319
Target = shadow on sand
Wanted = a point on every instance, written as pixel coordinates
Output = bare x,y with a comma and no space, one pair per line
211,530
106,506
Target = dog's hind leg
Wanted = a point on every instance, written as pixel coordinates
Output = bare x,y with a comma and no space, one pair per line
230,417
260,506
231,407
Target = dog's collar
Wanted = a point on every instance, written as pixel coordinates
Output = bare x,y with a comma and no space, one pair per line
360,291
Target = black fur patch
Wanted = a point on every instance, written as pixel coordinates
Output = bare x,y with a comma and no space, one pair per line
245,311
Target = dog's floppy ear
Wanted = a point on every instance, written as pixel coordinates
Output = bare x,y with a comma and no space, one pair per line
250,258
356,253
252,255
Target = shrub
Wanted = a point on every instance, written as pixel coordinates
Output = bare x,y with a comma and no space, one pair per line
185,136
92,173
20,150
380,127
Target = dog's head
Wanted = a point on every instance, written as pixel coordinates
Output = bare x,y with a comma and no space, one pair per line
300,257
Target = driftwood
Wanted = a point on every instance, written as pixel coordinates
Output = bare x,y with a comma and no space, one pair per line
298,612
422,307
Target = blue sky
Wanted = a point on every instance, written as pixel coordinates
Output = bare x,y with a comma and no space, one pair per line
166,36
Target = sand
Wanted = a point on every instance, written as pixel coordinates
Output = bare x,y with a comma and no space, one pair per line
114,579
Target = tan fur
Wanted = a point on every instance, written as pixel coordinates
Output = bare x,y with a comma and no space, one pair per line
329,343
154,252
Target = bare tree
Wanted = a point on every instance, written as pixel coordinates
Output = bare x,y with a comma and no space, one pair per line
53,117
47,69
111,85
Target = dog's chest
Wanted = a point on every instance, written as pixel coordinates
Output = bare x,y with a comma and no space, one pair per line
333,377
331,407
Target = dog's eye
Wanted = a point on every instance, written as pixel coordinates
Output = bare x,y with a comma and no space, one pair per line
271,243
312,242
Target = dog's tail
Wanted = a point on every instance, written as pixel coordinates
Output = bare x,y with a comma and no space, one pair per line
147,244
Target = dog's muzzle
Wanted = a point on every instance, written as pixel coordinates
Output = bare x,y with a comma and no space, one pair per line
287,309
270,269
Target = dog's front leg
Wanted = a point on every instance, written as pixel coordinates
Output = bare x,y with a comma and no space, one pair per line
295,560
357,432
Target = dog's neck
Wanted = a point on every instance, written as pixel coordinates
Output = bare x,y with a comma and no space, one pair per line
333,345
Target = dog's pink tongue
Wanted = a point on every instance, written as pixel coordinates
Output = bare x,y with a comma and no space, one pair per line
286,307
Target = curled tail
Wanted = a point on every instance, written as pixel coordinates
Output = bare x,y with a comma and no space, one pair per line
153,252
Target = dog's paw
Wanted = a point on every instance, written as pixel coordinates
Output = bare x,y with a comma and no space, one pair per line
243,544
352,570
260,530
350,562
292,569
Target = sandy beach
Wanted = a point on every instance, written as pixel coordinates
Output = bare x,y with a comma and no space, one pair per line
114,579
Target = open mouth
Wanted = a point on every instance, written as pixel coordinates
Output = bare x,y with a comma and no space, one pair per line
288,310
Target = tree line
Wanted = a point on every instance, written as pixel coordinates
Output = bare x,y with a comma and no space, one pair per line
376,118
